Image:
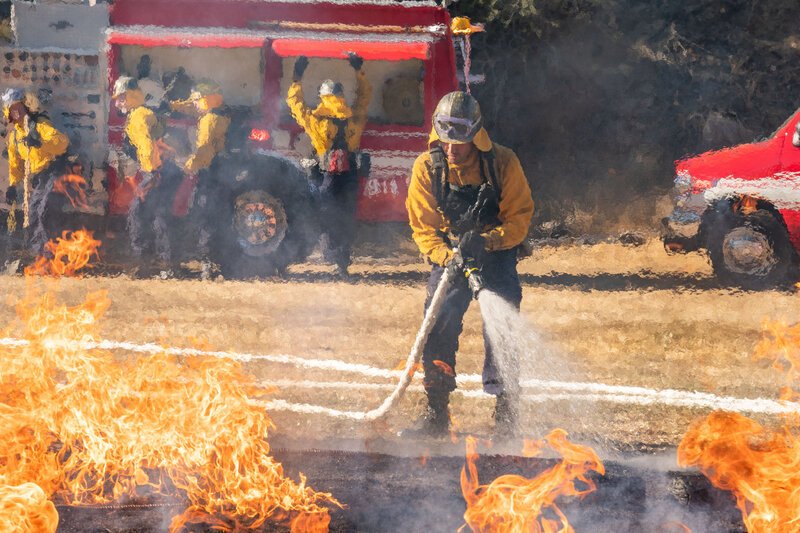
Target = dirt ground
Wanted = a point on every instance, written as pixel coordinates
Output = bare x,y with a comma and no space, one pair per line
606,314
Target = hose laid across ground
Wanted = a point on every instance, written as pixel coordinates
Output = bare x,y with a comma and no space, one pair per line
416,350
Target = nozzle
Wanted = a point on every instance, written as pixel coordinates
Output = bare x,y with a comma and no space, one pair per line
475,280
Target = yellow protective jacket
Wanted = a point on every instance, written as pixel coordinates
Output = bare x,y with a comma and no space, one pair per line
140,128
212,126
428,223
317,122
54,144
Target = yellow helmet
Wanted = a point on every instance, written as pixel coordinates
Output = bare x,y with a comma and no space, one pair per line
204,88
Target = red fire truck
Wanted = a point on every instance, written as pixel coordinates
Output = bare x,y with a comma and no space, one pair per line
742,205
249,47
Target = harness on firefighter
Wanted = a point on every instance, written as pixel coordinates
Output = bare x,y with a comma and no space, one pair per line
467,207
337,159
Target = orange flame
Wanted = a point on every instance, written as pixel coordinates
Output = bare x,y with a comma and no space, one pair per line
761,466
513,503
416,367
26,508
70,253
675,526
444,367
73,187
86,427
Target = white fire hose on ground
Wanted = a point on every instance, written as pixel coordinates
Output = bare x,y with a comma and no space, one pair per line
416,350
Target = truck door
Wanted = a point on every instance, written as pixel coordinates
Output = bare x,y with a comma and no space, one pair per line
790,154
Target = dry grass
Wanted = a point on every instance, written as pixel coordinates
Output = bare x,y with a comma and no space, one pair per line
666,338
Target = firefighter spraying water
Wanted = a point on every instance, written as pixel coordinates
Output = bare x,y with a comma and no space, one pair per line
469,208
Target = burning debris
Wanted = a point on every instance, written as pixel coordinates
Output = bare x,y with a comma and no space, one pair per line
513,503
71,252
757,463
80,426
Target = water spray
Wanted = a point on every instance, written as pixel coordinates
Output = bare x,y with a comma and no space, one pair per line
459,266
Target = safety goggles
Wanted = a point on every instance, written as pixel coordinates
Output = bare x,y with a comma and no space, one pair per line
455,129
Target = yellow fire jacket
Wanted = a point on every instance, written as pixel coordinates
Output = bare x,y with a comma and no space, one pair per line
316,122
428,224
54,144
211,130
139,128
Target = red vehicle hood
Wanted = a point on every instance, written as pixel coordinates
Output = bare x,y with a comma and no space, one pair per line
745,161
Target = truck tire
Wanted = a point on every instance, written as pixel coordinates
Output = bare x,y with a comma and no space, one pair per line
751,251
266,221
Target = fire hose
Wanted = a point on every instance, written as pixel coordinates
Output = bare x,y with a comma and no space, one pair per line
468,268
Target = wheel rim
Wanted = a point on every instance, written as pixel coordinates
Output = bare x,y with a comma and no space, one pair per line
260,222
748,251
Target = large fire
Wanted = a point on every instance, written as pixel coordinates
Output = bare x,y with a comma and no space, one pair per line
81,426
513,503
760,465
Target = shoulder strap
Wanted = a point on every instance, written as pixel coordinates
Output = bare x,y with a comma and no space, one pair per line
439,175
489,165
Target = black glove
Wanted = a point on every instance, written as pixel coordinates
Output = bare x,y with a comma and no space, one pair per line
11,195
356,61
300,67
472,244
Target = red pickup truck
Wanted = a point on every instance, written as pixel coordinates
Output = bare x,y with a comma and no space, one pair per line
742,205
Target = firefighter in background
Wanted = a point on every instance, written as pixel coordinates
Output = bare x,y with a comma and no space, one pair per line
149,217
207,104
335,131
462,171
37,157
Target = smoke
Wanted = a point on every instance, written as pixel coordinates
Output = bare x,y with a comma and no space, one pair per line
600,97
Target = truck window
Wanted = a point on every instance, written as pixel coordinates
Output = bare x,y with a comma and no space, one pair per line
397,92
785,123
237,70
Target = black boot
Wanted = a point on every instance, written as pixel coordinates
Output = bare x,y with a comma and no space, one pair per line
505,415
435,423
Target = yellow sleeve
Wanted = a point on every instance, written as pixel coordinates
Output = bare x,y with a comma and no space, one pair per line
423,216
141,124
54,143
516,207
211,130
363,98
16,166
297,105
186,107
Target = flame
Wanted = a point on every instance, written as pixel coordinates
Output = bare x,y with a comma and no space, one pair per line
513,503
70,253
444,367
760,465
423,459
73,187
82,426
416,367
675,526
26,508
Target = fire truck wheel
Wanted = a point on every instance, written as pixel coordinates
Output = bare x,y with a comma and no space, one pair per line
267,220
751,251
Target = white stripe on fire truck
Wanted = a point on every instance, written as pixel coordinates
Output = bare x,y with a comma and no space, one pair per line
150,31
782,190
